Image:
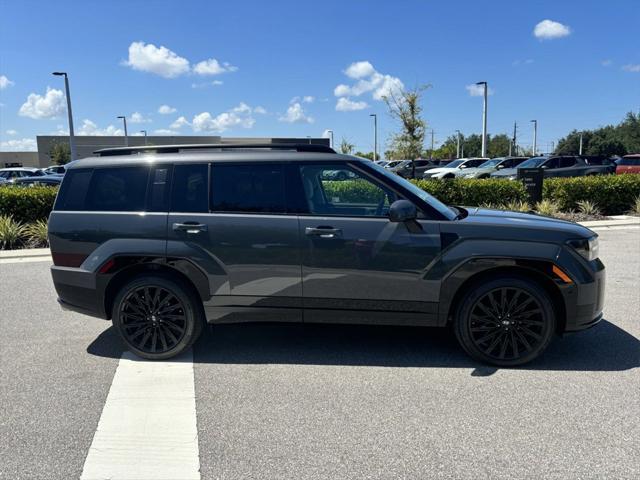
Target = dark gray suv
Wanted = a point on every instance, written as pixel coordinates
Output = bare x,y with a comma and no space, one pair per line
165,239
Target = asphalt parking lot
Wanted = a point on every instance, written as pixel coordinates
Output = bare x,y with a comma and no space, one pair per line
306,401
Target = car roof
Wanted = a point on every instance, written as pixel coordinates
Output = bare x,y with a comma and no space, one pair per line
19,169
209,156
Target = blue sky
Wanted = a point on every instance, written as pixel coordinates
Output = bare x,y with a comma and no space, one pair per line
296,68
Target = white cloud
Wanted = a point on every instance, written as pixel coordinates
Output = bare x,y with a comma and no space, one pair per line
214,83
213,67
179,123
305,99
52,104
296,114
5,82
240,116
631,67
368,80
90,128
19,145
346,105
158,60
11,132
260,110
165,131
477,90
359,70
137,117
166,110
548,29
606,63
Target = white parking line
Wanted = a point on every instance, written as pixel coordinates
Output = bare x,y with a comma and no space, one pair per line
148,425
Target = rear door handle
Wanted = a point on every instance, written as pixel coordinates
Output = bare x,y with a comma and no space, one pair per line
323,232
189,227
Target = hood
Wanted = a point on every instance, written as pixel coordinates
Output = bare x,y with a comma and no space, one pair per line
475,170
441,170
525,225
505,172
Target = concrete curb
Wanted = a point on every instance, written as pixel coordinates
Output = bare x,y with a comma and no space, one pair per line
25,252
622,220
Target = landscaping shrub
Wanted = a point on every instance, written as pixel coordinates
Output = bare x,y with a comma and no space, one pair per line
613,194
37,234
11,232
474,192
27,204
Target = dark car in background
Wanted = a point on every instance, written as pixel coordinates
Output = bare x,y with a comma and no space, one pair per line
628,164
10,174
406,168
162,240
559,166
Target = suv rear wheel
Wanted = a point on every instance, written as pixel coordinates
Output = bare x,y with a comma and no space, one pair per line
157,317
505,322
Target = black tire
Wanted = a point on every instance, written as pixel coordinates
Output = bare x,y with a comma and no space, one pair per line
157,317
505,322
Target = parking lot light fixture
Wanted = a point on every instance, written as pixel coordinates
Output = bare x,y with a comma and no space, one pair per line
535,136
375,136
126,137
457,143
72,140
484,120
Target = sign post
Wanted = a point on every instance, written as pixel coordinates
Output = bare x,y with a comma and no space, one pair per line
532,179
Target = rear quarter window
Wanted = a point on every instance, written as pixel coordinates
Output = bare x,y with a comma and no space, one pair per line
73,190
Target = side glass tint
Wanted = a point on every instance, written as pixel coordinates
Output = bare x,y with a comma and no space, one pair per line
158,200
248,188
118,189
73,190
190,187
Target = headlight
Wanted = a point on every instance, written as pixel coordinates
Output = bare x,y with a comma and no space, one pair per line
587,247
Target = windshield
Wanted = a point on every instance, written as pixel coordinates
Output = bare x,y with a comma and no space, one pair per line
532,162
393,163
418,192
454,164
490,163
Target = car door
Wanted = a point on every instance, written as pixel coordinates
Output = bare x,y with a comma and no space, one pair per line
550,167
241,235
357,266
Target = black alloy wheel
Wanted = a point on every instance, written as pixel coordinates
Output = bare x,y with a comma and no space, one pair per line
506,322
157,317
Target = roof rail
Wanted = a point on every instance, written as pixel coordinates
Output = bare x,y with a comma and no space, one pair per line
298,147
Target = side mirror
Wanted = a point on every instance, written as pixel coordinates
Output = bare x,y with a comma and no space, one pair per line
500,167
463,166
544,166
402,211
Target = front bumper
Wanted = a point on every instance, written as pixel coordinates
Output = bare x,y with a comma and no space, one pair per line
585,309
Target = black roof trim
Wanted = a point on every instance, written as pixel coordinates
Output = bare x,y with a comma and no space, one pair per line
298,147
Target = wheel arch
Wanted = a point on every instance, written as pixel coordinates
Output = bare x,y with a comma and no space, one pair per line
535,270
188,274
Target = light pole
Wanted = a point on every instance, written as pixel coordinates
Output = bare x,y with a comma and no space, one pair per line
580,150
458,144
145,135
72,140
484,120
126,136
535,136
431,151
375,136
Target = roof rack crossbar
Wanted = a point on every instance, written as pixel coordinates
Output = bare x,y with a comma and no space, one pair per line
298,147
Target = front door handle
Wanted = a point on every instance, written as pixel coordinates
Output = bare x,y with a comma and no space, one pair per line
323,232
189,227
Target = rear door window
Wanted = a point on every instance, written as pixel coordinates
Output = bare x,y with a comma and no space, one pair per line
248,188
121,189
566,162
190,188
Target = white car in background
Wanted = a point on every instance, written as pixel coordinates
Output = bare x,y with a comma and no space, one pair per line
453,168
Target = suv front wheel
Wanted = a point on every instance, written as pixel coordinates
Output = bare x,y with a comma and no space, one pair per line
505,322
157,317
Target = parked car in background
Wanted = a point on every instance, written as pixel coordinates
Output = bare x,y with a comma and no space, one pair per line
485,169
628,164
337,175
392,163
53,180
453,168
405,169
54,169
12,173
382,163
241,236
558,166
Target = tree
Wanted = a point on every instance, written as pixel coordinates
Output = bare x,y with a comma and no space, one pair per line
368,155
60,153
346,147
404,106
498,146
472,145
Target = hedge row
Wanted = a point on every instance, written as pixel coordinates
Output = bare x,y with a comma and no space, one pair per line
27,204
613,194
